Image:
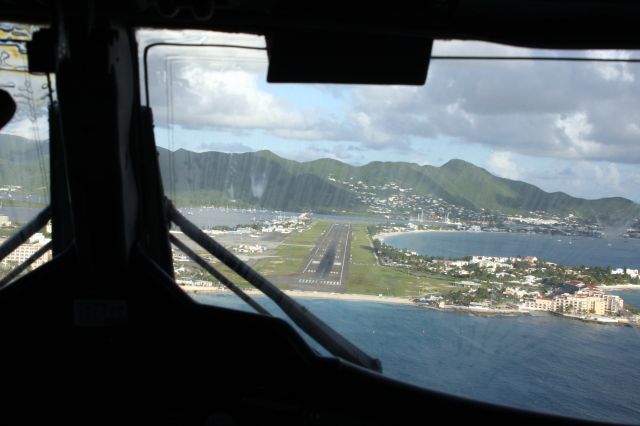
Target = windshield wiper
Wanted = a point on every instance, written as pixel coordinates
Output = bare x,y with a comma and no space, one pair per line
330,339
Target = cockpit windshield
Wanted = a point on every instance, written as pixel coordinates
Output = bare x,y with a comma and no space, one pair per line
480,234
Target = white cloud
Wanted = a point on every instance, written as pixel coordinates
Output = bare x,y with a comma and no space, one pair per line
543,109
586,113
502,164
586,179
366,130
593,180
230,98
576,130
37,129
613,71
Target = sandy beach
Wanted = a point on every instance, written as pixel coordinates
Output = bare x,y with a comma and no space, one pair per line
296,294
381,236
479,310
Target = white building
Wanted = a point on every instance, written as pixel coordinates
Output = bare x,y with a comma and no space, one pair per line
633,273
530,279
582,302
38,238
24,252
4,220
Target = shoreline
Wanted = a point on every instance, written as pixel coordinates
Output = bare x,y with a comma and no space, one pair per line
472,310
476,310
382,235
353,297
619,287
307,295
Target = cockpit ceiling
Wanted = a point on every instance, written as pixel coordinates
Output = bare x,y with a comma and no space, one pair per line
534,23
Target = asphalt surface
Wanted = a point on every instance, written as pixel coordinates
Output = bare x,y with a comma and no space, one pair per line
327,266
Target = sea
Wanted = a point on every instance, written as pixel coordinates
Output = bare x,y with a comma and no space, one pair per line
542,363
574,251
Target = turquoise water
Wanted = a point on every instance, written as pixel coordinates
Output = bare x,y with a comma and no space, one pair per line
563,250
542,363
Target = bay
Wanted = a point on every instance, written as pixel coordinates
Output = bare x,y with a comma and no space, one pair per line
575,251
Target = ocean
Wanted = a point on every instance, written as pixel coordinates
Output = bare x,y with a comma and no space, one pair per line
575,251
543,363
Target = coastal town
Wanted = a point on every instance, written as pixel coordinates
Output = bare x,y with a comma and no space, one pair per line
394,201
516,285
486,285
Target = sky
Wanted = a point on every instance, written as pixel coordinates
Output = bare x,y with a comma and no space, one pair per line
571,127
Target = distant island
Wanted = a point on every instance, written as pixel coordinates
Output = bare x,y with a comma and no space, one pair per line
456,192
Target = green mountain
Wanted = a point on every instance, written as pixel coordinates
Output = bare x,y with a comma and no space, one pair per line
484,190
263,179
259,179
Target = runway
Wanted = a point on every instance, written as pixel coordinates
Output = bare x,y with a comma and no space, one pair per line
327,266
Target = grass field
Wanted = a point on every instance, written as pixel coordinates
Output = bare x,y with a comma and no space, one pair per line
366,276
286,259
290,255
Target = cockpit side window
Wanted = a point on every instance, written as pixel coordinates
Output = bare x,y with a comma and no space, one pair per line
24,152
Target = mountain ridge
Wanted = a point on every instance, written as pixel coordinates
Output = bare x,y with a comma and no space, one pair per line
327,185
265,180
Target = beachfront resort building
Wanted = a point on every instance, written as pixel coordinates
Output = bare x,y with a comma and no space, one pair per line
25,251
632,273
587,301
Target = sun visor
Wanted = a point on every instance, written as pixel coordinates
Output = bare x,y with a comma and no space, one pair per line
349,58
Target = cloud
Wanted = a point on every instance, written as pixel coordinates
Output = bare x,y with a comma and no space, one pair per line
544,109
30,93
223,89
223,147
586,179
502,164
592,180
576,111
613,71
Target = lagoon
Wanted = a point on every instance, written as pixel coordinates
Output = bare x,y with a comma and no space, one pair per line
575,251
